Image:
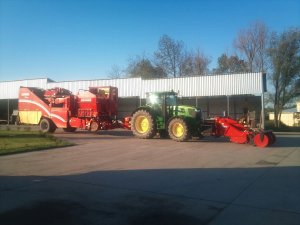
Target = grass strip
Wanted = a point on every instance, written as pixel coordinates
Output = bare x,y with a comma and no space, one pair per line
12,142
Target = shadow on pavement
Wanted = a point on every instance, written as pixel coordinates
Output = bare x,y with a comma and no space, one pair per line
287,141
154,197
282,140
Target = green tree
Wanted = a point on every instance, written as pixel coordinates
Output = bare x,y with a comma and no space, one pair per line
142,67
284,53
230,64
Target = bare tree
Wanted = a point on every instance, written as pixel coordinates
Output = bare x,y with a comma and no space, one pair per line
201,63
116,72
251,43
195,63
187,64
170,55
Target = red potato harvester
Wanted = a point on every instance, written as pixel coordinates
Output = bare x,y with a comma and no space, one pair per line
94,109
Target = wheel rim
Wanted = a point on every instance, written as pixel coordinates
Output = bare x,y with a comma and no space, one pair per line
142,124
94,126
261,141
177,129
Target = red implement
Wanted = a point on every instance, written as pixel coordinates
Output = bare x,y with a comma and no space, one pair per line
238,133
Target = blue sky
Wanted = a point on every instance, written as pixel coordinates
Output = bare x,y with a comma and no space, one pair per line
69,39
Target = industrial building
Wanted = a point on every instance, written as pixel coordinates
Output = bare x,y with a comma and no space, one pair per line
289,117
233,94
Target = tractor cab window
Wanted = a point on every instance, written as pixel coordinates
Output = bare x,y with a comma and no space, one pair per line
154,99
171,100
103,92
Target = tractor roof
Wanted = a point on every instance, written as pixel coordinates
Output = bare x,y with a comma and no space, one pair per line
163,93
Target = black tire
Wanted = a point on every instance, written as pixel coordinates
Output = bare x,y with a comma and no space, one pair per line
143,125
47,126
69,129
178,130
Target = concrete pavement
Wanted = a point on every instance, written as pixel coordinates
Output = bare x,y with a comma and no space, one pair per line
112,178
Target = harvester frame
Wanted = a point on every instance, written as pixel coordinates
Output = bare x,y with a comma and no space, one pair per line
94,109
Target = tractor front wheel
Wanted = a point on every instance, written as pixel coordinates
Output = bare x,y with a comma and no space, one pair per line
178,130
47,126
143,125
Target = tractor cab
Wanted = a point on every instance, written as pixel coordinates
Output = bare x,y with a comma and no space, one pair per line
163,104
160,98
167,105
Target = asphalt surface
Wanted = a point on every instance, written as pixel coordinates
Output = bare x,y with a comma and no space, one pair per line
113,178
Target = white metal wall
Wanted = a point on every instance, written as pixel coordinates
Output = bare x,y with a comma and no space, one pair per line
10,89
211,85
126,87
214,85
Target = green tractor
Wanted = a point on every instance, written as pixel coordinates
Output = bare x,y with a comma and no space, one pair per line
163,115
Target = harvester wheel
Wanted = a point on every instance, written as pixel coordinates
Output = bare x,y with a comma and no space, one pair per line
47,126
94,126
261,140
143,125
178,130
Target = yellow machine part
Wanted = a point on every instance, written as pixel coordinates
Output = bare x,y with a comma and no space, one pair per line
30,117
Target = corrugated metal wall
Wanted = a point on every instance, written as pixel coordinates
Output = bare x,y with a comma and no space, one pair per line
126,87
214,85
10,89
211,85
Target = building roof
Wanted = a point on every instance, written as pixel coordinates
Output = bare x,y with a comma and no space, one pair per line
293,110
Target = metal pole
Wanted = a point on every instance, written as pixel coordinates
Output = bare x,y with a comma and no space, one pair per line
263,87
8,111
262,111
207,107
228,105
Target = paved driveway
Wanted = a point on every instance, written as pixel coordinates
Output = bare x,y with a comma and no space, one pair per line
113,178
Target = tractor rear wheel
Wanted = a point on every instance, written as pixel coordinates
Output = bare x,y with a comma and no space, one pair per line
178,130
47,126
143,125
